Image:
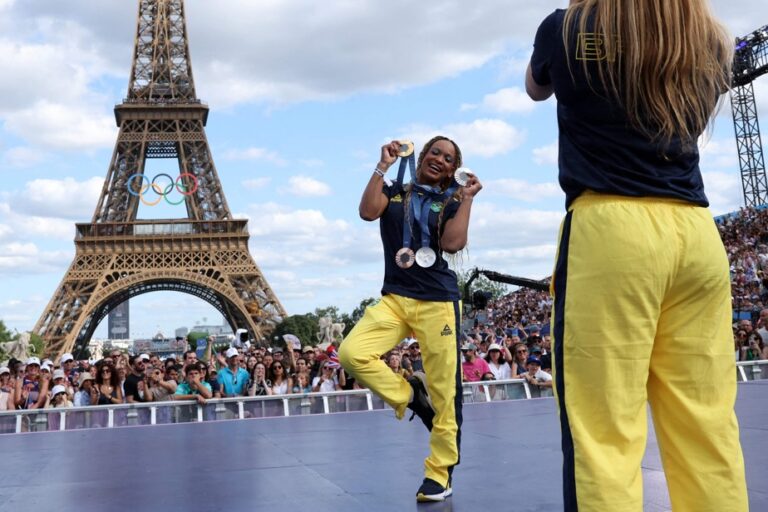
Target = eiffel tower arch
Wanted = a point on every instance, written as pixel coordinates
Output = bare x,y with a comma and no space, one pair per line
117,256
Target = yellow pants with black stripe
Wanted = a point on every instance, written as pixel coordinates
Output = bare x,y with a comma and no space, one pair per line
642,314
436,326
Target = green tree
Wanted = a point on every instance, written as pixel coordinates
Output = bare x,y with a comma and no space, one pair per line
482,283
304,326
5,334
359,311
332,311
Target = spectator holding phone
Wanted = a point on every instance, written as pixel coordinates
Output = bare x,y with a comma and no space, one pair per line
161,388
327,380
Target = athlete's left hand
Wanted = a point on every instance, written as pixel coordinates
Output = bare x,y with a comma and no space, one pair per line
472,187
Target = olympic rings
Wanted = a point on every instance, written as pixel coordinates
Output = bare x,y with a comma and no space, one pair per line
162,192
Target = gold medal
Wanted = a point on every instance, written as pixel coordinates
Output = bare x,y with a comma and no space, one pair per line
406,148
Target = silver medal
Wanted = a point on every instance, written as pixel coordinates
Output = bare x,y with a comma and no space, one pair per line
426,257
462,175
405,258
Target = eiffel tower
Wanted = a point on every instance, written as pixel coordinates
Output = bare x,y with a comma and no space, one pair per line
117,256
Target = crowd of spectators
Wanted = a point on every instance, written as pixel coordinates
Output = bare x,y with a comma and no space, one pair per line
511,339
122,378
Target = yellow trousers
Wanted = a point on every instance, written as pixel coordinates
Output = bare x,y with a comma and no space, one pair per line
436,327
642,314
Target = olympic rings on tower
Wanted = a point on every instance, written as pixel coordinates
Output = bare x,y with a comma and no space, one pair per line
162,192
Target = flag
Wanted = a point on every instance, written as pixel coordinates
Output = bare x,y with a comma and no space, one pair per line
333,357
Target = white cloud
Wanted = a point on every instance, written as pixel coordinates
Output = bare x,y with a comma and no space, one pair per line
254,154
57,199
22,312
5,231
508,100
520,190
63,127
333,53
546,155
22,156
283,238
305,186
257,183
724,191
482,137
718,154
27,258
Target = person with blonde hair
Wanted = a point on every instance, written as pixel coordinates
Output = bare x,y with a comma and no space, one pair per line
636,83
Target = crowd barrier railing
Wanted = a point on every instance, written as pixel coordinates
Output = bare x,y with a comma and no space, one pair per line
169,412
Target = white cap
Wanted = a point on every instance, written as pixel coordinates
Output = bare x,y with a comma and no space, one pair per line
232,352
45,366
58,389
4,369
144,357
494,346
67,357
411,341
33,360
59,374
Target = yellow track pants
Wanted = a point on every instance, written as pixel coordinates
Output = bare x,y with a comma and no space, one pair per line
642,314
436,327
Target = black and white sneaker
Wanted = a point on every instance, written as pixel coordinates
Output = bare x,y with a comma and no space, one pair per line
432,491
421,405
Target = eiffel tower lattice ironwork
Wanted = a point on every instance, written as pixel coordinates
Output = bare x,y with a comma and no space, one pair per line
117,256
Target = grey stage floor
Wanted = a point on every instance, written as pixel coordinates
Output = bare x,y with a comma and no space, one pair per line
342,462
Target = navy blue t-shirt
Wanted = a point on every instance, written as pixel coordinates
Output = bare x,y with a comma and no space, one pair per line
436,283
599,149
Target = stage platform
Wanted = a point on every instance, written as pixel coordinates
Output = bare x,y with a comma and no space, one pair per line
352,462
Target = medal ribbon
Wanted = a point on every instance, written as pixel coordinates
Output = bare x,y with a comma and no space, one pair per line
420,203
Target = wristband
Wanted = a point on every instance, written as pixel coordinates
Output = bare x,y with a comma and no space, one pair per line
379,172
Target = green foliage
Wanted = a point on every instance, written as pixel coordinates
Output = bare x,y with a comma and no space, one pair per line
303,326
359,311
36,341
307,326
482,283
5,334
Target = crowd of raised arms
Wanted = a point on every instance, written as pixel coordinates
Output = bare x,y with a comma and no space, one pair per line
513,341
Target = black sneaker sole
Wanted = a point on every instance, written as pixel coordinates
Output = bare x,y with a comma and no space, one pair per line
428,498
423,379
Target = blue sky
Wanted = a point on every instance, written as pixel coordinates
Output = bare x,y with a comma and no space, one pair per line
301,100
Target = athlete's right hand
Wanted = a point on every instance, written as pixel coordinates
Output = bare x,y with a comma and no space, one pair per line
388,155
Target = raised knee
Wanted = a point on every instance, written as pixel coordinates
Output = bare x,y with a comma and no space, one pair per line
351,360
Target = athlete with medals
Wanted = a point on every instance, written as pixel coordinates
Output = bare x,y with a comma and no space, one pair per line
418,222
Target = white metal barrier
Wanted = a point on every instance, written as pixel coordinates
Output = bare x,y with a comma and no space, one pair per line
158,413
